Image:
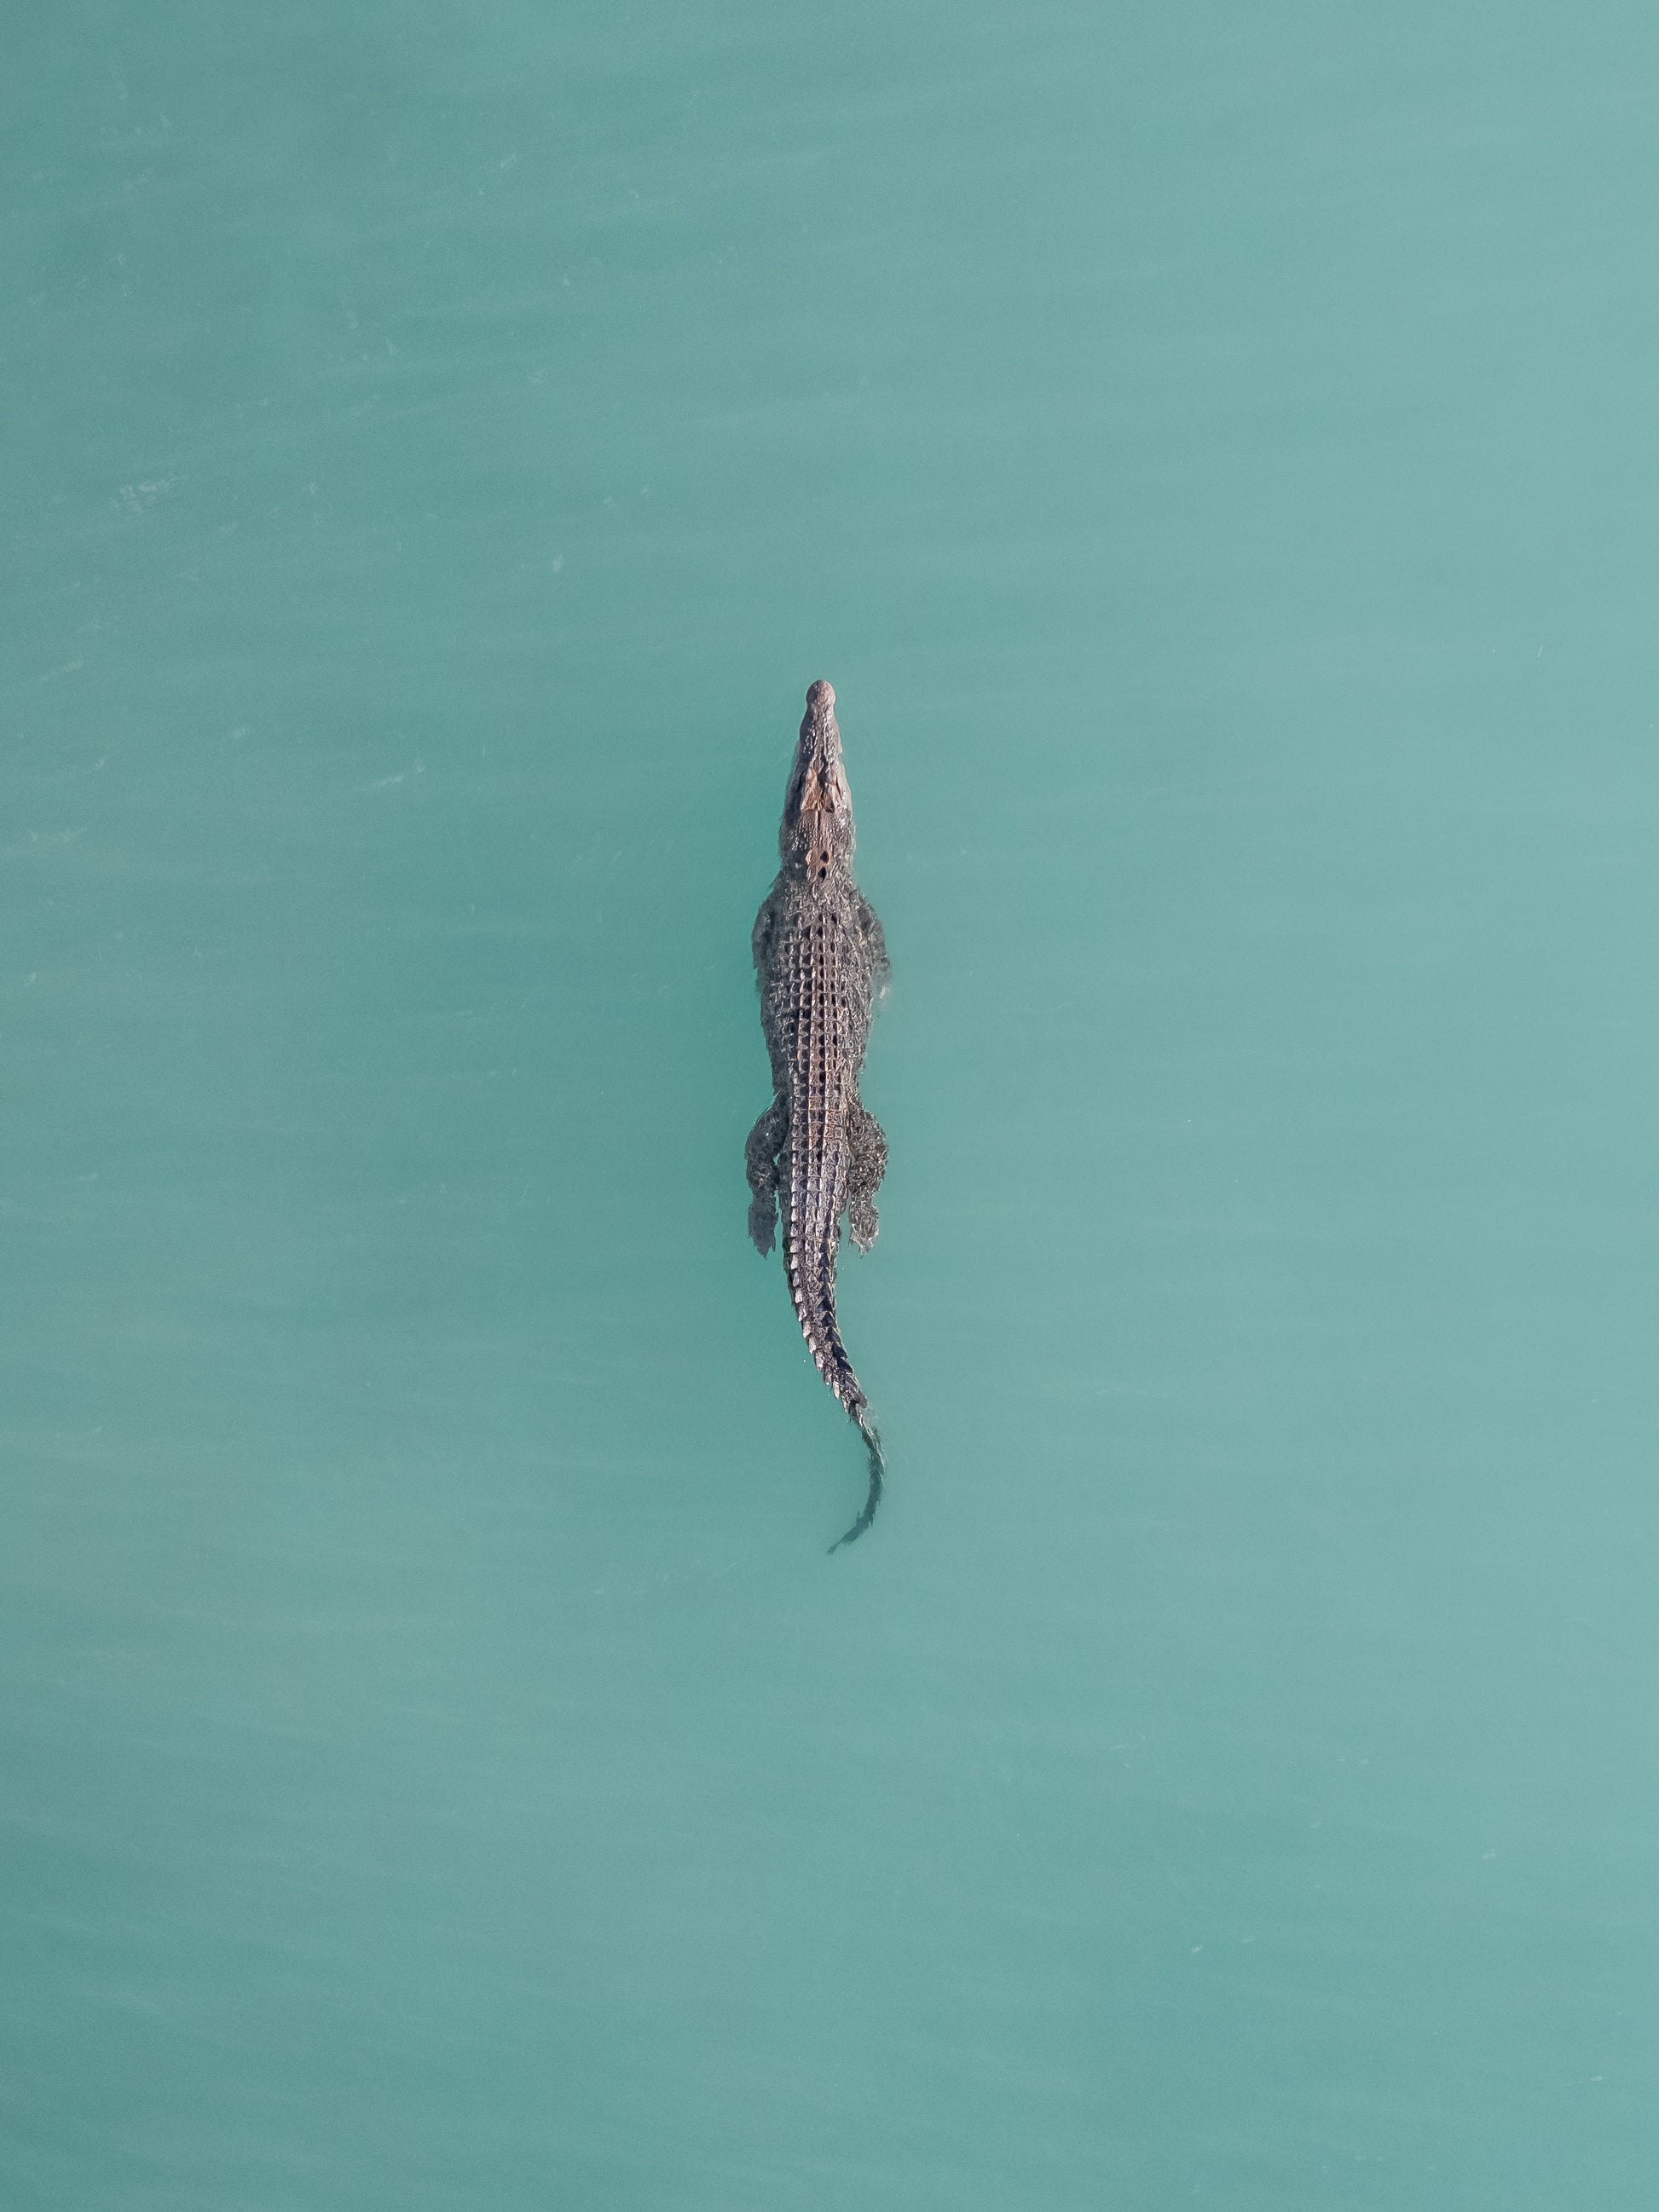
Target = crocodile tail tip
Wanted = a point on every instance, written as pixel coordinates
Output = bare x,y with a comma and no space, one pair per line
877,1472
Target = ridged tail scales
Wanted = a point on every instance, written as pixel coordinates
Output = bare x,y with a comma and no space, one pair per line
809,1261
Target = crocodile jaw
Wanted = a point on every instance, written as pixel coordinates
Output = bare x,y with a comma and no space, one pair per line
817,830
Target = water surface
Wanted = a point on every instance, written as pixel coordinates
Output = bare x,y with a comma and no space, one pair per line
1212,454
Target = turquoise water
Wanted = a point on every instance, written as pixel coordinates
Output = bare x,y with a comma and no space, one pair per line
1212,453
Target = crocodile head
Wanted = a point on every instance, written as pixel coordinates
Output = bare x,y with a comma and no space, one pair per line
816,838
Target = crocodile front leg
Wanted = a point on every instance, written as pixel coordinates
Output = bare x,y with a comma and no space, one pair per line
875,946
866,1168
766,1140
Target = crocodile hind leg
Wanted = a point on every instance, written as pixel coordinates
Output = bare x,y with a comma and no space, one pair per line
865,1168
766,1140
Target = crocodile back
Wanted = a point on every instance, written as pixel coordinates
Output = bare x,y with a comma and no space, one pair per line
822,991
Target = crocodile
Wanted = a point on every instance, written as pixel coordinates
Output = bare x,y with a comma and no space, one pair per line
816,1153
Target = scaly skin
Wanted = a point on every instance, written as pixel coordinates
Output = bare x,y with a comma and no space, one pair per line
821,962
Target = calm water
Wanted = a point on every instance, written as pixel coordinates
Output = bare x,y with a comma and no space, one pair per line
1212,452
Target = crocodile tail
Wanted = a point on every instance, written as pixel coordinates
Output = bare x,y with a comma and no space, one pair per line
877,1472
813,1285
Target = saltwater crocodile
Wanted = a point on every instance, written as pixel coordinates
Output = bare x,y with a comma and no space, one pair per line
821,962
